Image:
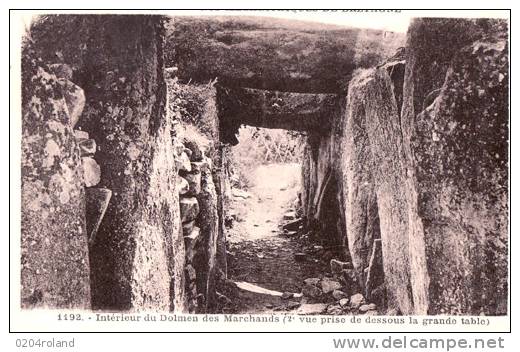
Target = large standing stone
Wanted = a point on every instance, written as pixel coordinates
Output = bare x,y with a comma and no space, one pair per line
460,145
54,250
138,256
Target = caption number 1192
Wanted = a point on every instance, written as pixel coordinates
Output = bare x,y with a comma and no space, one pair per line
69,317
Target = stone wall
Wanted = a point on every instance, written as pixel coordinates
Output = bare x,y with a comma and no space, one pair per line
203,192
430,178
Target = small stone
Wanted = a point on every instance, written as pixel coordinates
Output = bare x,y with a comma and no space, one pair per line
187,227
190,244
371,312
179,148
334,309
343,302
291,215
183,163
293,225
238,193
337,294
80,135
357,300
328,285
300,257
194,183
292,305
312,281
311,291
364,308
182,185
372,306
91,171
268,305
188,152
197,150
306,309
191,274
287,295
200,166
87,147
189,209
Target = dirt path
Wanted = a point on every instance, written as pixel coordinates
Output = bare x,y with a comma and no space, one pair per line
259,252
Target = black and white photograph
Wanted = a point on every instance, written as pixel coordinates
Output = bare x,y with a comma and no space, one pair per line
259,166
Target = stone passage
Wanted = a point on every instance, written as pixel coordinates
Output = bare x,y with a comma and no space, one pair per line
125,163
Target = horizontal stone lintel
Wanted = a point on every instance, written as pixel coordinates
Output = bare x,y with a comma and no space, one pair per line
274,109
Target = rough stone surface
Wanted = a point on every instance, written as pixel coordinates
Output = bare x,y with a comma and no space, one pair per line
460,147
54,249
133,266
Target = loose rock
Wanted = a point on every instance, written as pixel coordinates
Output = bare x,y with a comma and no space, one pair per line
343,302
357,300
292,305
183,162
311,291
364,308
337,294
87,147
328,285
287,295
312,281
189,209
91,171
336,266
307,309
182,185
